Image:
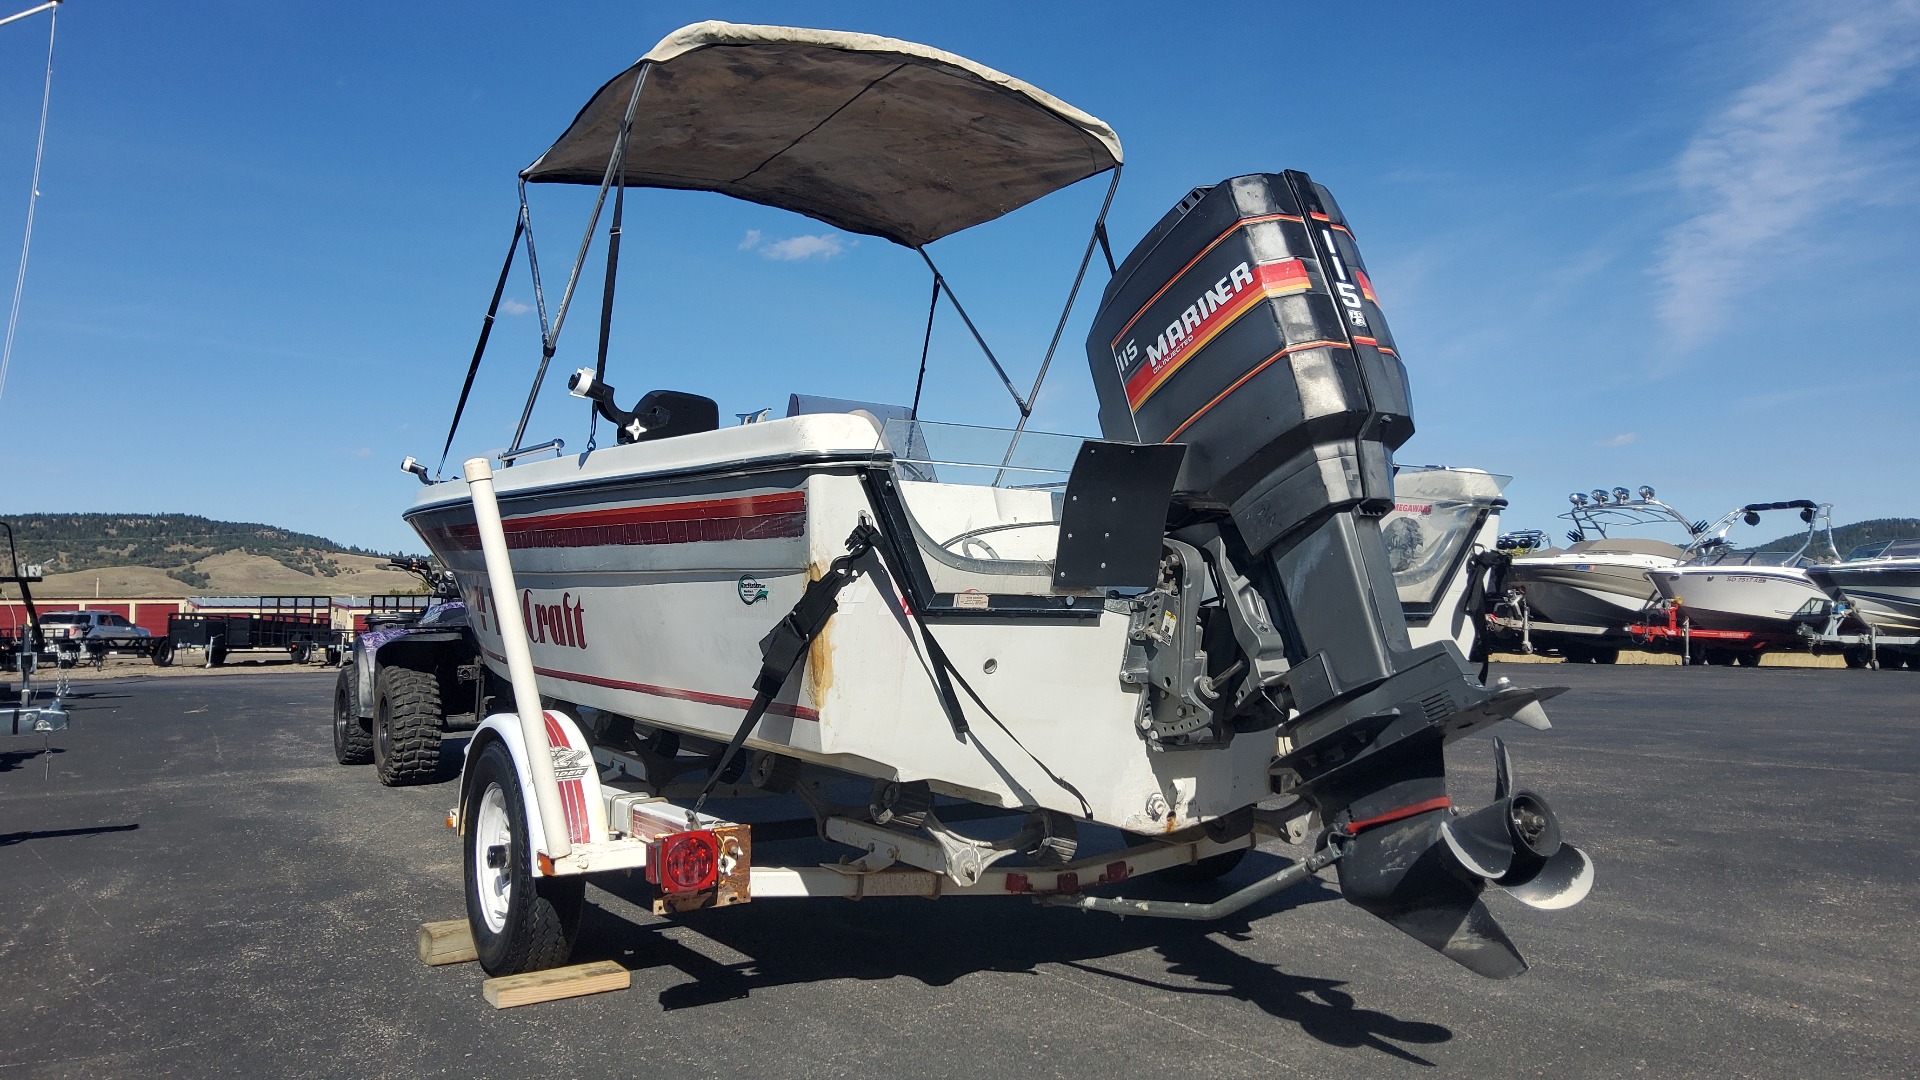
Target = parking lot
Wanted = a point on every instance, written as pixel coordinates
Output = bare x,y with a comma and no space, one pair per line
192,886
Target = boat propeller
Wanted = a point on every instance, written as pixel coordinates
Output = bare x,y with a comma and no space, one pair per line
1424,872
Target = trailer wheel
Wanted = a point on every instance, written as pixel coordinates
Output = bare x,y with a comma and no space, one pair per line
407,721
163,652
519,922
1855,658
352,742
1748,659
1606,656
301,652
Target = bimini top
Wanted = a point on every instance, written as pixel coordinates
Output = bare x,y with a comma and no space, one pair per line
868,134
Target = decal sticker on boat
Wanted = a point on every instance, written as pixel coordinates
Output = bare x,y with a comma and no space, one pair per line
751,591
563,624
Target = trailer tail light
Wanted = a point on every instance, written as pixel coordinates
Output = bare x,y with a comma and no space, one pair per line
684,862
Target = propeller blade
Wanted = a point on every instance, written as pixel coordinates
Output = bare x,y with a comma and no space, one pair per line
1502,770
1564,881
1460,928
1479,841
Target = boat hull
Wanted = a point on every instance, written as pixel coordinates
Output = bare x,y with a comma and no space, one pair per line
1588,592
1755,599
1885,597
648,574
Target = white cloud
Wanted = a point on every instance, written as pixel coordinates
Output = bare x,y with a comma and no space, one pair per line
1621,439
796,248
1781,152
751,240
514,307
363,452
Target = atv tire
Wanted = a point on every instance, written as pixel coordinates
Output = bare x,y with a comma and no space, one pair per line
407,723
519,922
352,742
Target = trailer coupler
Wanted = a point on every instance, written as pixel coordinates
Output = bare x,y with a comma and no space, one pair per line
1287,878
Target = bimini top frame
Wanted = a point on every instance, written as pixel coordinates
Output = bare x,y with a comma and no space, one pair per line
869,134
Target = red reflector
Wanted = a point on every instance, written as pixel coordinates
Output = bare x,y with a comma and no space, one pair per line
685,862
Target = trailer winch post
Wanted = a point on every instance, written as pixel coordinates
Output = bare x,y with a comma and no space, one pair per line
513,641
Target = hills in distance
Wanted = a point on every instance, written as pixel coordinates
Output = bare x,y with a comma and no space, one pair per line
175,554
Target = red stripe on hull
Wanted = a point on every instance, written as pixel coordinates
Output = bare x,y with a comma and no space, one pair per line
753,517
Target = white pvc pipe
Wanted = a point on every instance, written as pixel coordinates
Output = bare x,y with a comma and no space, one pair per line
513,641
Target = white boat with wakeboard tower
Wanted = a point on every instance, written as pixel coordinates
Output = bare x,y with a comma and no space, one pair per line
1727,588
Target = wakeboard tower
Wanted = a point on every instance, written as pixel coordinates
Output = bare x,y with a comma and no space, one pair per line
1187,630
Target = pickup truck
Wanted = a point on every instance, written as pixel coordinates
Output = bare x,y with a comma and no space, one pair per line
94,633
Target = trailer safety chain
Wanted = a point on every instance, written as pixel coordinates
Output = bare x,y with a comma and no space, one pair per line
787,642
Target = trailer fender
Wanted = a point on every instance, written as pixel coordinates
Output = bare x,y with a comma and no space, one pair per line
573,768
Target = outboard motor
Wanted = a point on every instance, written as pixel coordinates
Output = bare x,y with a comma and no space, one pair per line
1244,326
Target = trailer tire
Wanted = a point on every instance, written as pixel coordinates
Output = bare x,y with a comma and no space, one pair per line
1748,659
533,925
352,741
1606,656
163,652
407,722
1855,658
301,652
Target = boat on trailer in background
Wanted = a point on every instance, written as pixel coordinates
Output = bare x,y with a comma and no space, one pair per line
1187,630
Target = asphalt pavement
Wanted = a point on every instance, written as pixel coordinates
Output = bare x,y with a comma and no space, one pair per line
191,886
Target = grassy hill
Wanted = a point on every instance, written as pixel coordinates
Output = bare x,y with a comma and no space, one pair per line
1848,537
169,554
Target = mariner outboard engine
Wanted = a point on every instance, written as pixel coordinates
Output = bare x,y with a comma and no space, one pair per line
1244,326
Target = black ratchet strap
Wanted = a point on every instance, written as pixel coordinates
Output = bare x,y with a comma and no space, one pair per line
1486,576
486,330
784,646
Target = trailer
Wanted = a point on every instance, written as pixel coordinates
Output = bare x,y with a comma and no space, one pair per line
1511,626
26,709
300,625
1669,628
1834,626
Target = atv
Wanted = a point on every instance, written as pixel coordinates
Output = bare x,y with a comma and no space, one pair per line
407,680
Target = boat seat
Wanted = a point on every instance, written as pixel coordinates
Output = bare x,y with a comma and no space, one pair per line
670,413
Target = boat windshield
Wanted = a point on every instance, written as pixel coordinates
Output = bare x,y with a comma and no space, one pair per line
1435,515
985,510
1726,556
1886,549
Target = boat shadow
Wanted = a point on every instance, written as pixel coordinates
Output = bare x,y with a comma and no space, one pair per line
811,941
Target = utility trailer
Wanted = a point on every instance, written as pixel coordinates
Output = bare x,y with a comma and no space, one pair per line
299,625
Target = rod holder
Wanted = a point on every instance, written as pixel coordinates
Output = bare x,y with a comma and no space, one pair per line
513,642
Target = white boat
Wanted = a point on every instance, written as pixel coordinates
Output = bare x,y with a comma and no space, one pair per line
1881,581
1600,580
1724,588
1114,631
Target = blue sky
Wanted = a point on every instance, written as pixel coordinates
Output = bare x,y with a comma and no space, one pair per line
1621,243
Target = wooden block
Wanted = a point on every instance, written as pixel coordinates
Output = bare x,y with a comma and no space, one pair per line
449,942
551,985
